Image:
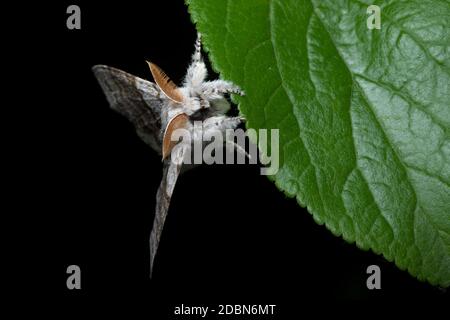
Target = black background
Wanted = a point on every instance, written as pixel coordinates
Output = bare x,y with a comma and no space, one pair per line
230,236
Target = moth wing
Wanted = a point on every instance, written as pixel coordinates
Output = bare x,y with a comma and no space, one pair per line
171,171
140,101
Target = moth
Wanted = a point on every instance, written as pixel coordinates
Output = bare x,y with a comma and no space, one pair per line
158,109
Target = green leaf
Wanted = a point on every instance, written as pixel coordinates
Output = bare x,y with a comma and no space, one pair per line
364,115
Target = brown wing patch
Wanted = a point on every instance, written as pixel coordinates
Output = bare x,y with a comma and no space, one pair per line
166,85
177,122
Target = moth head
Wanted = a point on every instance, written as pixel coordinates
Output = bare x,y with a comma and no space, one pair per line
190,106
182,96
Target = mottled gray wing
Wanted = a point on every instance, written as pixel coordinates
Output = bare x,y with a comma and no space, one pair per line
171,171
140,101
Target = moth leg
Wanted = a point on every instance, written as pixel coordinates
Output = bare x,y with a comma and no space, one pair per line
197,72
217,88
220,123
231,146
231,122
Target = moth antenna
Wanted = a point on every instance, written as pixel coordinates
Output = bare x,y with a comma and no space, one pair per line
167,86
177,122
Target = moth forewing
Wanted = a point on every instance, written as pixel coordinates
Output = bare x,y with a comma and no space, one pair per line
138,100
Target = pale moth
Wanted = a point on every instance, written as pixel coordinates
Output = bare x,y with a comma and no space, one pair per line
158,109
